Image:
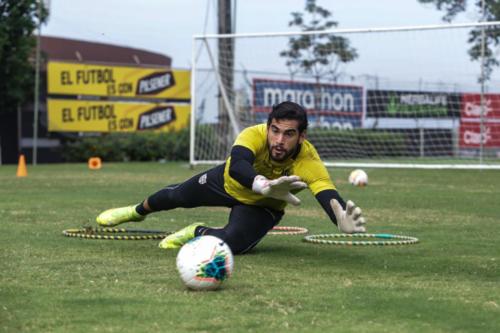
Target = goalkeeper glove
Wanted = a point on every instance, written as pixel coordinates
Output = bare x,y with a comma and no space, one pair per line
350,220
279,188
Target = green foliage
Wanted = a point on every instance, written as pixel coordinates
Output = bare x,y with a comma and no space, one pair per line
451,7
491,13
357,143
317,55
18,20
139,146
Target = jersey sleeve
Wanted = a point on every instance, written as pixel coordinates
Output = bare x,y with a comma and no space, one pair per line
314,173
241,166
252,138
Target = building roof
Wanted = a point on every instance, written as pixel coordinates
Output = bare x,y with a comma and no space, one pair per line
64,49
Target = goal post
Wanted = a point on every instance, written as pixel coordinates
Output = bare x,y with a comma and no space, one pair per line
411,97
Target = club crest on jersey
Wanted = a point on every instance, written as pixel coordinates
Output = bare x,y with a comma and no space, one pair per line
280,171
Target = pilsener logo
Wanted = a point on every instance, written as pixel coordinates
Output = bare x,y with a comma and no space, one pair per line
155,83
156,118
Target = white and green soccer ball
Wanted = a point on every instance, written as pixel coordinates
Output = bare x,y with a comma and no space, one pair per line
358,178
204,263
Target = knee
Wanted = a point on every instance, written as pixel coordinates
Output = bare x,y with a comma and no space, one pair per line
236,244
236,248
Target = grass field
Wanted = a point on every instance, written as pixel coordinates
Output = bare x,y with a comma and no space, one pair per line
449,282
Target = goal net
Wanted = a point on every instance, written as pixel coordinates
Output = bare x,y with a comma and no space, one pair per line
425,97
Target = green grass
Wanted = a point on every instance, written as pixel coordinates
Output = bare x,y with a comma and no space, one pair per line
450,282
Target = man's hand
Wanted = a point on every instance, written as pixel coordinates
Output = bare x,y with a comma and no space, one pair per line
279,188
350,220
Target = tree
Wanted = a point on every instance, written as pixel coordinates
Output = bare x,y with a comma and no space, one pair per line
18,20
492,34
316,55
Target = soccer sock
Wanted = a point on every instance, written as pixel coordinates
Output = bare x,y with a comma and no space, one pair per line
141,210
200,230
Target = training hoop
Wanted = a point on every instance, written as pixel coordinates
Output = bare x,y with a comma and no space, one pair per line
284,230
390,239
115,233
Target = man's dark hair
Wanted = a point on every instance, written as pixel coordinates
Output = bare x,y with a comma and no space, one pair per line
291,111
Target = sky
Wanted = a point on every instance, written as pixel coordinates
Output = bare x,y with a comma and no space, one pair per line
167,27
428,61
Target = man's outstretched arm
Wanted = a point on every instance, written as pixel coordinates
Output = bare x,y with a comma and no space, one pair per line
346,216
241,167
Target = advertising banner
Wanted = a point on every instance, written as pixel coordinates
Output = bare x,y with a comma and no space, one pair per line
66,115
319,99
324,122
470,135
410,104
471,107
102,80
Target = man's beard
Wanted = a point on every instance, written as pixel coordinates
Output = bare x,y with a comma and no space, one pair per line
286,154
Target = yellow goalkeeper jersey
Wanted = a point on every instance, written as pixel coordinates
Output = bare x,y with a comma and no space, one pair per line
307,165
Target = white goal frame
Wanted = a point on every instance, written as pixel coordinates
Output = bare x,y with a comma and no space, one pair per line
236,127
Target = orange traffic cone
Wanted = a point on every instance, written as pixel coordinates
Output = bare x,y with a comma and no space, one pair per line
21,167
95,163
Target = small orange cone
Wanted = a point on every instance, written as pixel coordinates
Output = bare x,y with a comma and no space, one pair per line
21,167
95,163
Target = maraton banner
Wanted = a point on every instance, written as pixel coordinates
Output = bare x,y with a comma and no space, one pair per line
317,98
66,115
324,122
101,80
332,106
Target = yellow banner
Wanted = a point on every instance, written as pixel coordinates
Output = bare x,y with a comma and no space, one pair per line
105,116
100,80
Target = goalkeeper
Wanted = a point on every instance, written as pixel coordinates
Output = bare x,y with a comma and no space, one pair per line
269,163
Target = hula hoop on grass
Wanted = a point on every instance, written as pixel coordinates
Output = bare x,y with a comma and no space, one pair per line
390,239
115,233
283,230
142,234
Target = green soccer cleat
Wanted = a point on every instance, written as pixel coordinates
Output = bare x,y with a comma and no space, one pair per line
179,238
116,216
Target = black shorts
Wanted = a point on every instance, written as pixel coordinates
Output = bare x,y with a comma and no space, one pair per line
247,224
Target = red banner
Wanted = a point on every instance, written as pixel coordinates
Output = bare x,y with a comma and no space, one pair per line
471,107
470,135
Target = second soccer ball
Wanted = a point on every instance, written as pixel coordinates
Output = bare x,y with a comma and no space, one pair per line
358,178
